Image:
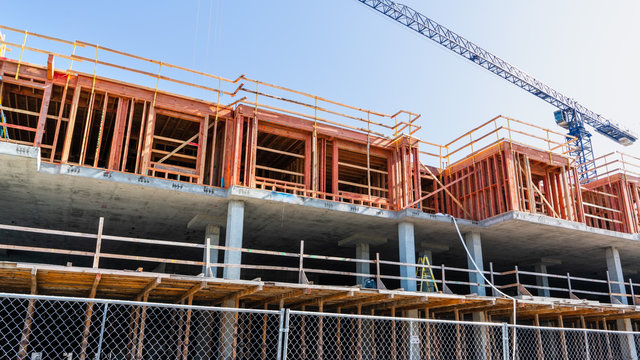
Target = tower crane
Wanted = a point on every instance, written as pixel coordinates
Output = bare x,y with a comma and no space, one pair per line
570,114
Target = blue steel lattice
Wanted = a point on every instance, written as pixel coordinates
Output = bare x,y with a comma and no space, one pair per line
458,44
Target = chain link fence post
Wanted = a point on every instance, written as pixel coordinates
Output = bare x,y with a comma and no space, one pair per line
285,335
103,325
505,341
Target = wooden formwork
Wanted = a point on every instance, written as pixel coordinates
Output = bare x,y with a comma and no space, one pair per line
512,177
612,199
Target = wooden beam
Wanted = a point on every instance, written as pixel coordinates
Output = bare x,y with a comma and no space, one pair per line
44,109
323,299
237,295
192,291
147,289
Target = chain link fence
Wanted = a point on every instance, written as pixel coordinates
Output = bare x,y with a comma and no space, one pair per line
42,328
45,327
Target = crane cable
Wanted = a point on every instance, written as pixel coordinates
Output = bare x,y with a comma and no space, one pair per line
513,348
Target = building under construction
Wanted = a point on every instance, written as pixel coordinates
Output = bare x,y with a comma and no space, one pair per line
133,216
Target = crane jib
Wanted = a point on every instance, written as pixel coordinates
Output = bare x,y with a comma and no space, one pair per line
573,116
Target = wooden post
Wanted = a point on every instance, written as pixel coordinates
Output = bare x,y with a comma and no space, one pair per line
320,351
42,118
359,334
128,137
87,319
63,100
148,140
264,333
334,171
66,147
540,352
202,148
28,319
143,317
338,337
100,129
393,334
563,340
139,151
187,331
115,153
96,256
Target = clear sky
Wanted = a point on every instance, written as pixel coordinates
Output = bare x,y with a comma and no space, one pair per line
340,49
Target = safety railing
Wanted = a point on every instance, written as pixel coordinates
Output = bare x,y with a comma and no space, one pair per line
313,268
48,327
502,128
613,163
159,76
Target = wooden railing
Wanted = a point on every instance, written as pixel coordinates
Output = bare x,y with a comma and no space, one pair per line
446,279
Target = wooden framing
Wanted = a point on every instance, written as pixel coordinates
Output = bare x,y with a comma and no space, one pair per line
154,133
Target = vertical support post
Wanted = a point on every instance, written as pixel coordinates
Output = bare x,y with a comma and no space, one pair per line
96,256
334,169
406,246
115,154
28,319
362,253
563,339
187,331
212,237
235,224
280,336
42,118
542,281
66,147
505,341
148,139
104,322
301,276
202,149
614,267
627,342
474,244
587,353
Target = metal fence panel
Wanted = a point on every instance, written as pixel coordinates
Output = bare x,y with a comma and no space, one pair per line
58,328
44,327
334,336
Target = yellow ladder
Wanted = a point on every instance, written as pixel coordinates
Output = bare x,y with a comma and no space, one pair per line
425,276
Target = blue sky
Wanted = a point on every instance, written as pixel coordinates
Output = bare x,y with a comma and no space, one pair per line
342,50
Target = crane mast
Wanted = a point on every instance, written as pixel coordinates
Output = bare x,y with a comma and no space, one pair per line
570,115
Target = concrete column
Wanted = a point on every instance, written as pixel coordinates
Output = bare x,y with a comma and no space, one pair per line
235,224
480,336
406,248
227,329
472,240
542,280
362,242
615,273
415,338
627,342
212,233
362,252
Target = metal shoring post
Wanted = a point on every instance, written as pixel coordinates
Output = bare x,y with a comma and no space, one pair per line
24,41
104,320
